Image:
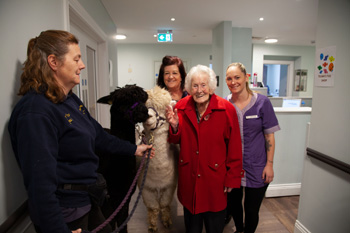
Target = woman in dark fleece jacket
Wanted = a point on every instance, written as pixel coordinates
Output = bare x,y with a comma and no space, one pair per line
54,137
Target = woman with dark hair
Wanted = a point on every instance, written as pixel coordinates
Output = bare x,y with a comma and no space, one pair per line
172,77
54,138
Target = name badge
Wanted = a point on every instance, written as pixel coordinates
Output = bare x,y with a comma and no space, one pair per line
251,117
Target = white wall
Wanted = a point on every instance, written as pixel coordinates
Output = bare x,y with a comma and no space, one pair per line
290,146
222,57
19,21
98,12
242,47
289,152
325,194
307,60
136,61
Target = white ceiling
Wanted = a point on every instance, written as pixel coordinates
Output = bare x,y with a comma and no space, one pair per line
292,22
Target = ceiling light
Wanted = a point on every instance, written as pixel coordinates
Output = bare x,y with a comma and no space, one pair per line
172,19
120,37
155,35
270,41
261,19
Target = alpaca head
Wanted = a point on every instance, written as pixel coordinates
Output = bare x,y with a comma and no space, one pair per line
158,100
127,103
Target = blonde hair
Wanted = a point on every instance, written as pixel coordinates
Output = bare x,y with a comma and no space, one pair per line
244,71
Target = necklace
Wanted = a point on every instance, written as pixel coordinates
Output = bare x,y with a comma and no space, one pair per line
199,115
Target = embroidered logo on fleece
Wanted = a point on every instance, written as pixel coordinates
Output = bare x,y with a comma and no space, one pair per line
69,118
82,109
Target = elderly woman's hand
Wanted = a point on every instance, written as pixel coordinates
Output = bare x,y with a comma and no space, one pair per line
172,117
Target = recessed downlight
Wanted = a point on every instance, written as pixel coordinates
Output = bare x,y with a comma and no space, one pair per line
120,37
271,40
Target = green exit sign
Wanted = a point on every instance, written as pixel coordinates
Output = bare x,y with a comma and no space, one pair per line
165,37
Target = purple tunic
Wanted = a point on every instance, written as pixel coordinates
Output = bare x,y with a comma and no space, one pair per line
255,120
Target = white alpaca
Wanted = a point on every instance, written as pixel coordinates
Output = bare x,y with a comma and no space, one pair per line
161,179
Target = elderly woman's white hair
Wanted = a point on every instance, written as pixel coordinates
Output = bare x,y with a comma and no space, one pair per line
204,70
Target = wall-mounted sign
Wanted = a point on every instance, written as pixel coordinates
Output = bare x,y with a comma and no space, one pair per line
325,66
165,36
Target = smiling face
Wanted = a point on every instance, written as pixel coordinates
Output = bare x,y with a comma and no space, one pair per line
236,80
68,72
172,77
200,88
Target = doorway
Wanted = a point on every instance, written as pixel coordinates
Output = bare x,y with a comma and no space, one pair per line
86,91
95,79
278,77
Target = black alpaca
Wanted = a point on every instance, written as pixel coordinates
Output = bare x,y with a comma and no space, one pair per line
127,109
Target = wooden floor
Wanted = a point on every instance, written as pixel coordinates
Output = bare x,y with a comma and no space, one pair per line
283,209
277,215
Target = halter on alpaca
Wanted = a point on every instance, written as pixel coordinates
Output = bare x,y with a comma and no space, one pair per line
160,120
130,111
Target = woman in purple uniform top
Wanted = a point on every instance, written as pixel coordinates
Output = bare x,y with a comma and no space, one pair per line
258,123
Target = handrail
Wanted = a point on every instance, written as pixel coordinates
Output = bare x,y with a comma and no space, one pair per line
329,160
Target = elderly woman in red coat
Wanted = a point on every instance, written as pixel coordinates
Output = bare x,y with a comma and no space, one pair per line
210,162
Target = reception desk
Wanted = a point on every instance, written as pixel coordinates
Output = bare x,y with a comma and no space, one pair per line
289,150
295,110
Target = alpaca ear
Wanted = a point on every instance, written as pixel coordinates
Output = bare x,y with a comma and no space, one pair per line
53,62
105,100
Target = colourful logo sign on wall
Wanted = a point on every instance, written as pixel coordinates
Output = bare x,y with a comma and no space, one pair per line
325,66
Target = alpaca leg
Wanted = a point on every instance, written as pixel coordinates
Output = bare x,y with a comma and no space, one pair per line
152,219
166,217
166,197
149,197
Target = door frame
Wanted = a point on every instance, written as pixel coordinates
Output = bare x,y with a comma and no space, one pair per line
290,77
88,78
75,12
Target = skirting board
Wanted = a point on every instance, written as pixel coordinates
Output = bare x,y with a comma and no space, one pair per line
299,228
279,190
23,225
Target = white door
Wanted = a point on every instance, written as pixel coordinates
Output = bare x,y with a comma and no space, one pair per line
88,84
